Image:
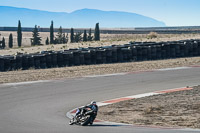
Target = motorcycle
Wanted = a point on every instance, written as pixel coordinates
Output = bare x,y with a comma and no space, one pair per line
83,117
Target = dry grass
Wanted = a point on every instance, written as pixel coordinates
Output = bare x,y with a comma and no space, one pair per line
152,35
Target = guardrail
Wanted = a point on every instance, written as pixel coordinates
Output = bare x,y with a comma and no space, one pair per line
137,51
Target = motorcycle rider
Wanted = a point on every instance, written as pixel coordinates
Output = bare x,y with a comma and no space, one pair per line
94,109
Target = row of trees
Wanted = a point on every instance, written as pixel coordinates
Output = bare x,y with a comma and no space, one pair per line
60,38
77,37
74,37
10,42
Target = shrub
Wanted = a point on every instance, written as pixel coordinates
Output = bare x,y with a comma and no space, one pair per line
152,35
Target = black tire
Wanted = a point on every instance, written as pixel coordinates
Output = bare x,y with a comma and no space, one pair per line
86,120
71,122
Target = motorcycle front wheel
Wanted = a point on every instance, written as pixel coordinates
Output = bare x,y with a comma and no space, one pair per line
71,122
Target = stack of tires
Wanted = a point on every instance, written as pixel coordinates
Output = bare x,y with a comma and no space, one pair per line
93,56
1,63
43,61
163,51
182,50
191,48
144,53
36,61
158,52
60,59
19,61
134,53
99,56
71,58
195,48
172,50
48,58
8,60
109,55
65,59
198,48
114,54
119,53
87,57
154,52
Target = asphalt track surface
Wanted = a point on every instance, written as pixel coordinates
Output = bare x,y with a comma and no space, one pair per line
41,107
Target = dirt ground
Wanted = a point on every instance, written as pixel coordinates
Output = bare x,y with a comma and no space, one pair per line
176,109
79,71
106,40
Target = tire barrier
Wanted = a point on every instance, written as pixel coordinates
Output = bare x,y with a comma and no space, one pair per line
48,57
1,63
18,62
36,61
137,51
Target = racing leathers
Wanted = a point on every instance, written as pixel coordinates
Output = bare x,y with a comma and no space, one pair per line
94,109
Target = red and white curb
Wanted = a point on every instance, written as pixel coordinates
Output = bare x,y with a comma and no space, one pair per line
71,113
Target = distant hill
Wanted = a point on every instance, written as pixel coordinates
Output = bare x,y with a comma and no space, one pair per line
84,18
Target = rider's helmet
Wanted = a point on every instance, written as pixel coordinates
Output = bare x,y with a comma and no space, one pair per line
93,103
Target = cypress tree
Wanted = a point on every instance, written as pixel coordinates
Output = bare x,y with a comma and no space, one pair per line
36,40
85,36
19,34
10,43
65,38
72,35
61,38
47,41
78,37
3,43
59,35
90,37
97,33
51,33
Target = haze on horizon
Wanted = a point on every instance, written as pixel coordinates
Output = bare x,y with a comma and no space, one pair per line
172,12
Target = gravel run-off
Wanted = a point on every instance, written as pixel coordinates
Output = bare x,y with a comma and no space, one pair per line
176,109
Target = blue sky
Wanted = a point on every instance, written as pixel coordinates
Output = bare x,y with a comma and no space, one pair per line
172,12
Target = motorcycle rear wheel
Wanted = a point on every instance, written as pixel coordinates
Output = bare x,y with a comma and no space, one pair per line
85,121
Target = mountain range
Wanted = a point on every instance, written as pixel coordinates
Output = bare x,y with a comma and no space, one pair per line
84,18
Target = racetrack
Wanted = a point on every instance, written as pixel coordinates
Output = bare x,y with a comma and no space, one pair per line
41,107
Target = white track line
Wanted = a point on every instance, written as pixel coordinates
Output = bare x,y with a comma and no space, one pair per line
176,68
25,83
105,75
